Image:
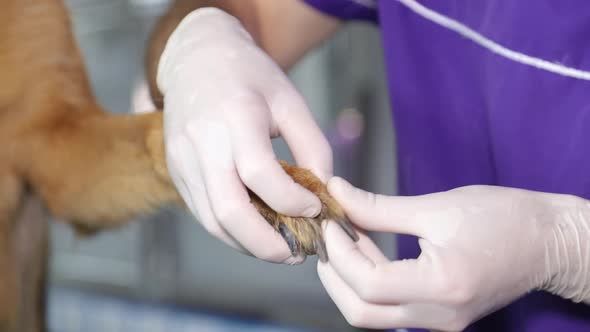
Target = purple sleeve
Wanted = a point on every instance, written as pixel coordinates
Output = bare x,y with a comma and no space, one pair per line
365,10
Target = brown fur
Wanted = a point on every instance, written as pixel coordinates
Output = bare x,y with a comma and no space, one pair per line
60,151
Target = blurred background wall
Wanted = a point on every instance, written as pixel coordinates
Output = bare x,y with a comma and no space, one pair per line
98,284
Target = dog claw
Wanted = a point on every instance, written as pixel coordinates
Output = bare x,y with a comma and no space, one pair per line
290,238
320,249
346,225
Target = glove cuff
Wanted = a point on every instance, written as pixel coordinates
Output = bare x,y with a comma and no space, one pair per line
567,254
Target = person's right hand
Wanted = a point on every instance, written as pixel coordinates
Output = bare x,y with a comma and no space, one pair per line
224,101
482,247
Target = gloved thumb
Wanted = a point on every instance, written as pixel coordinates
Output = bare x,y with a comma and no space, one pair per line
376,212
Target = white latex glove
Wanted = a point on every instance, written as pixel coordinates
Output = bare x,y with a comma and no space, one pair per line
482,247
224,101
141,101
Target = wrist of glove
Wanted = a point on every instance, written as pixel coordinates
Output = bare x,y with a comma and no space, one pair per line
567,252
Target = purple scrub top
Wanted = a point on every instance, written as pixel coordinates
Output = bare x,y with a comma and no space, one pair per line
514,112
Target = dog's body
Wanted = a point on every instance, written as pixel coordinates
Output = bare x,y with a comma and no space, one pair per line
59,150
60,141
61,154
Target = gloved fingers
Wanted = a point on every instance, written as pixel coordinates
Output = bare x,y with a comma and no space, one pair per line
364,246
357,312
370,249
257,165
214,228
374,278
192,190
232,209
378,212
305,139
364,314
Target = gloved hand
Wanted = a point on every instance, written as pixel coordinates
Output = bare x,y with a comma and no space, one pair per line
224,101
482,247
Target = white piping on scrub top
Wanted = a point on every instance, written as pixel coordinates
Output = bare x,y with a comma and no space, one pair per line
492,46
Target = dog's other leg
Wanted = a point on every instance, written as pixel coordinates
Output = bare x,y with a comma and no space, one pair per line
31,244
23,258
10,199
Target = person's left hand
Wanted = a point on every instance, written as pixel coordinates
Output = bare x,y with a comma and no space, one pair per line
482,247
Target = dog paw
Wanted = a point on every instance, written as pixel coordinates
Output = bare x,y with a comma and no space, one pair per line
304,235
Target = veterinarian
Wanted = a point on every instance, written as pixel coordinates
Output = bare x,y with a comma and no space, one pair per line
482,92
